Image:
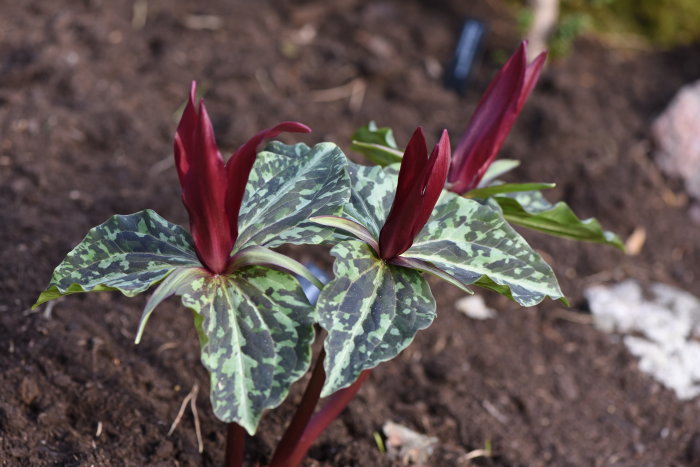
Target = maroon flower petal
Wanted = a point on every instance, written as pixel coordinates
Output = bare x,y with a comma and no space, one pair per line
437,169
241,163
204,195
493,119
211,190
532,74
184,136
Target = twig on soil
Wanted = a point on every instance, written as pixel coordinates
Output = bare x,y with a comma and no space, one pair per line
476,453
161,166
96,344
354,91
263,79
180,413
166,346
49,308
190,398
494,412
204,22
195,414
635,242
139,14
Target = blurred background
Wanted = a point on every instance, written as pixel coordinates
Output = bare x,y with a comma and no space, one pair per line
89,99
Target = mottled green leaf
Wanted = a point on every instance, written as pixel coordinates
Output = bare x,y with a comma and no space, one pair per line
372,193
377,144
471,241
256,327
127,253
463,238
289,184
372,311
532,210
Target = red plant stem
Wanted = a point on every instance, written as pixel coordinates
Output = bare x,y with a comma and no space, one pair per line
319,422
301,418
235,445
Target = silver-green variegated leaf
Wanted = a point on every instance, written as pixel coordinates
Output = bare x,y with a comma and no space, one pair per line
289,184
127,253
373,190
532,210
464,239
474,244
256,329
372,311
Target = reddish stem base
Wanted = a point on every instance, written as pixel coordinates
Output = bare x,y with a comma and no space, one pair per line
235,445
301,418
320,421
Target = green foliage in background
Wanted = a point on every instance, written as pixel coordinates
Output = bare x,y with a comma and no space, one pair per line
661,23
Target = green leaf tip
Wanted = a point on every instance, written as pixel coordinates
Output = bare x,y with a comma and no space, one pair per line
532,210
468,240
53,292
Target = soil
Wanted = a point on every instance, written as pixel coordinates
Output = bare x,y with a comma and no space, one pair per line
88,97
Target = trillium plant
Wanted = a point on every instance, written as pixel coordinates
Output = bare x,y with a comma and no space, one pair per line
416,212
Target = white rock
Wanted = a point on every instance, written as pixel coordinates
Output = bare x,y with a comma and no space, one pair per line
406,445
665,330
474,307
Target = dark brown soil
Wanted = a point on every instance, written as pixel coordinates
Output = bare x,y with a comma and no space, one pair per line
88,95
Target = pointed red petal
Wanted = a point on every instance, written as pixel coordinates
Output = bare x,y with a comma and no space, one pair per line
437,174
204,193
414,158
395,236
240,164
184,136
532,74
492,120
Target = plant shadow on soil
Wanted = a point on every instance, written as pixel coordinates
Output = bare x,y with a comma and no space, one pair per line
88,93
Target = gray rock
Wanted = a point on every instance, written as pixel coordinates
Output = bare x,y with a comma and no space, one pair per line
676,133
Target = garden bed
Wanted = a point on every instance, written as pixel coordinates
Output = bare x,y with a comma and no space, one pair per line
88,99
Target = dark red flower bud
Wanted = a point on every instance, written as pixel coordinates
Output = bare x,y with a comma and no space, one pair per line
493,119
421,180
213,191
